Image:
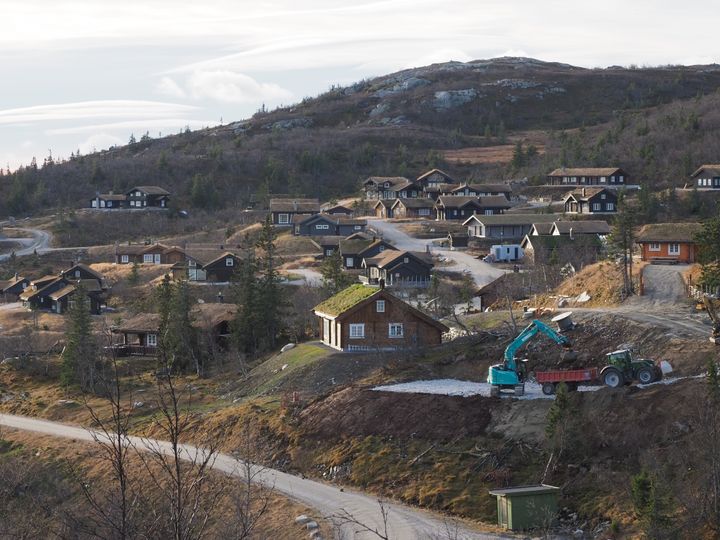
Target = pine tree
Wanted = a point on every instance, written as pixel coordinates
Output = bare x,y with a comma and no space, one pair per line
244,293
163,299
335,279
708,240
180,338
622,240
134,276
270,302
79,358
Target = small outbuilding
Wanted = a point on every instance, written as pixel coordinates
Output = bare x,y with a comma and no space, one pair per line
526,507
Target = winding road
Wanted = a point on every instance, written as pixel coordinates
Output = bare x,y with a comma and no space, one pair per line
37,241
404,522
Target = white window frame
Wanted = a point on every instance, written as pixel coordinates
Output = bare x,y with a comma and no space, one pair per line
489,212
596,207
674,249
322,226
124,259
157,258
151,340
148,258
396,330
349,261
654,246
329,252
283,219
356,330
610,206
358,227
380,306
229,261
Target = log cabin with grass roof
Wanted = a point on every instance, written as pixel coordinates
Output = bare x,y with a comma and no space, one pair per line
363,318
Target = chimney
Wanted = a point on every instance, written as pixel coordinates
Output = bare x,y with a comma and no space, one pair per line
295,206
222,246
583,192
571,234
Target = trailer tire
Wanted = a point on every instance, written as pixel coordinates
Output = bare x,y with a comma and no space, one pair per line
548,388
613,378
646,375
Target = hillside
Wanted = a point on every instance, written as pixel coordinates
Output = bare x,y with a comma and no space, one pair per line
400,124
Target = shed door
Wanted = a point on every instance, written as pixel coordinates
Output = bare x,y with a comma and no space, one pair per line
503,512
157,258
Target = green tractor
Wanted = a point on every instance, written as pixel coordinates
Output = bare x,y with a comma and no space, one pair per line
622,369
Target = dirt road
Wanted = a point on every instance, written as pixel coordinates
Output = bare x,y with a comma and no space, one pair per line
404,523
37,241
482,272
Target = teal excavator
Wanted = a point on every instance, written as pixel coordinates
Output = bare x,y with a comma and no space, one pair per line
511,374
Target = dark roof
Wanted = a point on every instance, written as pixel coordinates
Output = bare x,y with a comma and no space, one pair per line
549,241
324,241
382,179
138,249
432,171
354,246
389,257
4,285
415,203
669,232
525,490
360,235
543,227
582,227
207,315
586,193
337,209
112,197
206,256
458,201
387,203
219,258
586,171
712,169
494,201
492,188
512,219
295,205
150,190
86,268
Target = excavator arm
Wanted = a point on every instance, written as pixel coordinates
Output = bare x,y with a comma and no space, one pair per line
526,335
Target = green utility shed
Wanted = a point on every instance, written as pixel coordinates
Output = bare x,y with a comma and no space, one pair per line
526,507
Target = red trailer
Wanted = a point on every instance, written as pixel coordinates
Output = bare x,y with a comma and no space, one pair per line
572,378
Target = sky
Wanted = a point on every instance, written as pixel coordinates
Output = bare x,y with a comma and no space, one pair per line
85,75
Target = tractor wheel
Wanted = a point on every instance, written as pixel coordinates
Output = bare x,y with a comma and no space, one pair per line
613,378
645,375
494,391
548,388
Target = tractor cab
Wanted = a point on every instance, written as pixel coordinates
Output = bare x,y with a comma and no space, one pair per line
622,368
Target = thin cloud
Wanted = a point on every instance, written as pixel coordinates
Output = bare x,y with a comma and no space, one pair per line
168,87
92,109
137,125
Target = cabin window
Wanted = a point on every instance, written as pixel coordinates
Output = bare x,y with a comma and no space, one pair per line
406,260
156,258
284,219
124,259
602,196
357,227
229,262
357,330
654,246
621,179
328,252
395,330
488,212
147,258
380,306
673,249
381,248
424,212
151,340
349,261
109,204
77,274
596,207
610,206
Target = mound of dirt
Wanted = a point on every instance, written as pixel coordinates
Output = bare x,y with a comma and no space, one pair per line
362,412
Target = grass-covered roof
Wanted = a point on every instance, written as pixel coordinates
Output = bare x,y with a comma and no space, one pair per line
345,299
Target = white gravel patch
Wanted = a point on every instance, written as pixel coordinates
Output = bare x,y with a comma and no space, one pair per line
456,387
